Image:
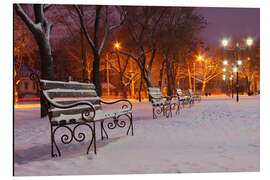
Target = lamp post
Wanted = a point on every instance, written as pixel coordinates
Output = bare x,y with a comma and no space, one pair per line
108,80
199,58
117,46
237,49
230,71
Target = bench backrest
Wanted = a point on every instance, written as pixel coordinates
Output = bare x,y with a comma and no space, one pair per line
179,93
155,95
190,92
66,93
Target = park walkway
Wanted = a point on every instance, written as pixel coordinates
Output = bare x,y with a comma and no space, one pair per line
216,135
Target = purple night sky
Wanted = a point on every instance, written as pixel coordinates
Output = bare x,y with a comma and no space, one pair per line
226,22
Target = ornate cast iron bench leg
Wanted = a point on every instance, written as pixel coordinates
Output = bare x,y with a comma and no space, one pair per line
68,138
130,124
103,130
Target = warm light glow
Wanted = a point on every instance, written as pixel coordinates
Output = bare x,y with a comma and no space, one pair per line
235,69
231,78
224,69
117,45
225,62
224,77
249,41
225,42
21,106
239,62
199,58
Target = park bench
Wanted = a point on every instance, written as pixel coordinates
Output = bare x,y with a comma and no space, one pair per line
70,105
162,104
184,99
194,97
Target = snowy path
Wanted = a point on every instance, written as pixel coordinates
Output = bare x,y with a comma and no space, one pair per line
216,135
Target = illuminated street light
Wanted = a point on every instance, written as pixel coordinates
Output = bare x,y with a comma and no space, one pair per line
249,41
235,69
199,58
117,45
225,42
239,62
231,77
224,69
225,62
224,77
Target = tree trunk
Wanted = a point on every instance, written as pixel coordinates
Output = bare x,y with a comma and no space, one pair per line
96,79
248,86
44,46
161,74
189,78
203,86
147,80
16,96
169,84
83,53
41,31
140,90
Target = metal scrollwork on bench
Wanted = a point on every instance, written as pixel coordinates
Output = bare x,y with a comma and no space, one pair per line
176,106
68,138
117,122
157,110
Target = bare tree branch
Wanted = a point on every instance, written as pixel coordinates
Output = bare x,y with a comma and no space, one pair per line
108,31
46,7
30,24
84,27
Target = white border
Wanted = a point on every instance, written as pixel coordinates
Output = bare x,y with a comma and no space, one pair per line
6,86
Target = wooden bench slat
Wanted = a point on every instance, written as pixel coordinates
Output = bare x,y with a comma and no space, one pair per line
56,93
71,100
55,112
100,115
46,84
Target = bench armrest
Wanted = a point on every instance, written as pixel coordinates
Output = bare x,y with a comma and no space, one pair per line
119,100
167,97
86,116
174,96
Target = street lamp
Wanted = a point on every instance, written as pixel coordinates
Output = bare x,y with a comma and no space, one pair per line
249,41
239,62
237,48
117,45
230,70
225,42
199,58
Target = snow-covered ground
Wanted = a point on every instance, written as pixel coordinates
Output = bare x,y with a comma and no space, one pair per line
216,135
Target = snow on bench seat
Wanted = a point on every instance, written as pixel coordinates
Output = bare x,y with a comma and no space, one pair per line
100,115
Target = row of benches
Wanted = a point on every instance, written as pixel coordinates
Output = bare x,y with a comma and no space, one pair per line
70,105
164,105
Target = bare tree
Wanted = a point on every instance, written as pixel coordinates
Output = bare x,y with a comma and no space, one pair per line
142,24
95,43
119,64
207,70
41,29
251,66
184,24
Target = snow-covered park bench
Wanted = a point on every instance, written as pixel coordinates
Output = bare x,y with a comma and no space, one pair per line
195,97
182,98
162,104
70,105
